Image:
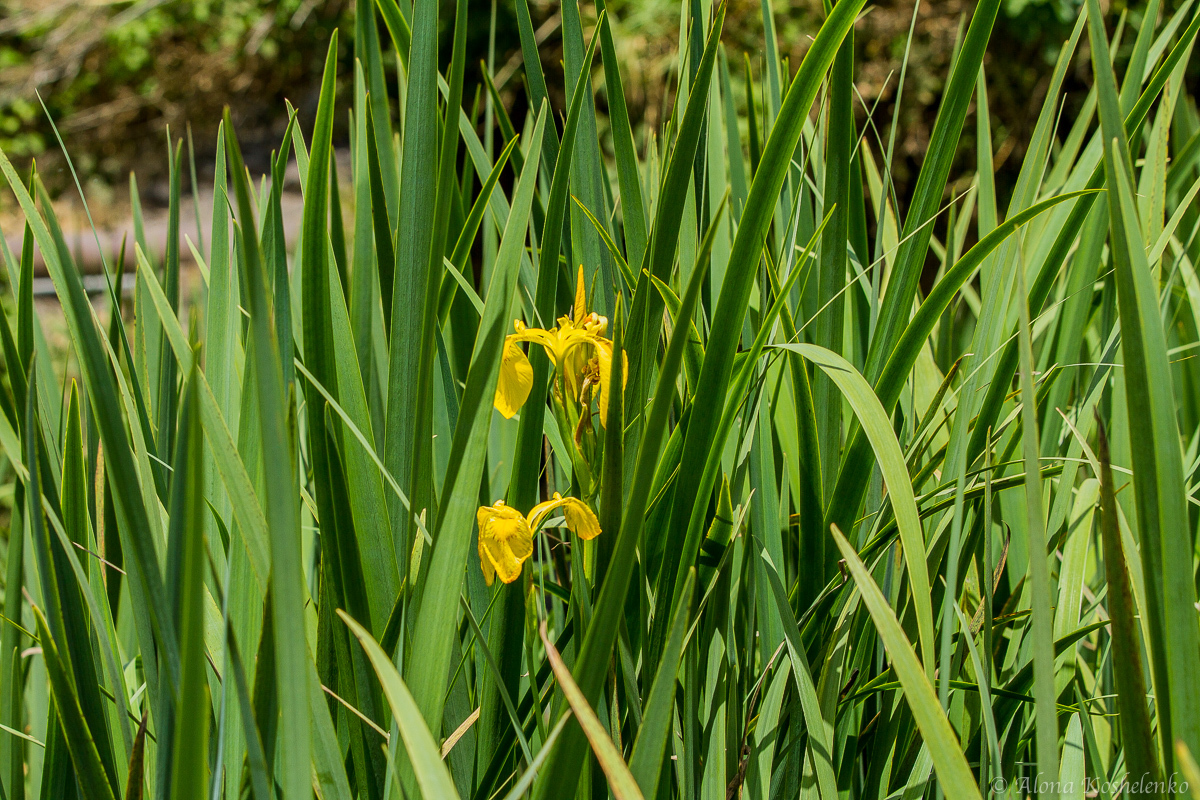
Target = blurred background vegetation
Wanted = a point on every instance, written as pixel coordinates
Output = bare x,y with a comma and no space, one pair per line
115,73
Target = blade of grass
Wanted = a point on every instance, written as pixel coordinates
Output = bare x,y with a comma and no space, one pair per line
633,212
562,773
735,294
446,195
646,760
522,493
423,752
287,579
878,429
367,52
190,749
439,591
418,201
850,488
92,778
820,731
166,393
953,773
1041,600
247,510
1159,490
620,781
829,322
646,310
1135,724
589,176
147,592
927,194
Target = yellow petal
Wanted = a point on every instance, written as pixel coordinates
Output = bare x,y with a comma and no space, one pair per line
485,513
498,510
546,339
580,519
604,356
506,542
515,381
576,352
580,296
539,512
485,565
551,340
485,517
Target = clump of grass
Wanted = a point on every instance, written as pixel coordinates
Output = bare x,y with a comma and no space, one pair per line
768,519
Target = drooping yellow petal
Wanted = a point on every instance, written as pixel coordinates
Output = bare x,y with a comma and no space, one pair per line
515,381
508,550
499,510
505,542
485,565
580,297
542,510
483,517
604,356
551,341
575,351
580,519
547,339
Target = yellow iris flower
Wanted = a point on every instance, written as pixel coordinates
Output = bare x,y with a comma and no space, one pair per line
506,535
576,346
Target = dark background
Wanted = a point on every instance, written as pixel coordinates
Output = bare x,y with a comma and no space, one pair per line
114,77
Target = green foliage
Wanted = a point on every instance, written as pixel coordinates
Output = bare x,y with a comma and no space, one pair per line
111,69
795,484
